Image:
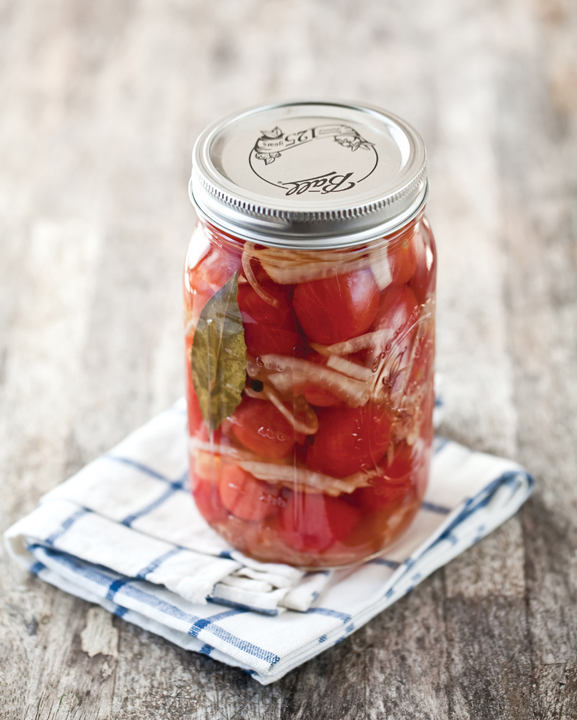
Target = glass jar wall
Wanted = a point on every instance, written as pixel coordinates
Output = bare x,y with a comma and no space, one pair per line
310,392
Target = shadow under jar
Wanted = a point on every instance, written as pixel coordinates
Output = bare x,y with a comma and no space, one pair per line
309,303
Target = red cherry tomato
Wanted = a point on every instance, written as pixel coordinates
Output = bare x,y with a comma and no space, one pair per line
337,308
207,499
195,421
311,522
349,440
316,395
403,258
397,310
206,277
269,328
267,339
256,310
246,497
218,266
260,427
387,491
402,463
203,435
397,306
423,281
382,495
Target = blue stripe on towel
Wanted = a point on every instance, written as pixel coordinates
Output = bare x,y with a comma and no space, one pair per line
182,482
37,567
393,564
431,507
155,564
472,505
224,615
330,613
172,488
115,586
236,642
480,533
90,572
66,525
136,593
138,466
202,623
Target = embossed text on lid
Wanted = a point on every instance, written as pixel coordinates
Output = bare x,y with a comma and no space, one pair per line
312,174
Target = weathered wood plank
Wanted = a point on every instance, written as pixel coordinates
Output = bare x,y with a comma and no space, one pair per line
538,171
44,346
100,107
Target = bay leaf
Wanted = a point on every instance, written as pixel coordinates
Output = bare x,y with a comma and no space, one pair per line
219,355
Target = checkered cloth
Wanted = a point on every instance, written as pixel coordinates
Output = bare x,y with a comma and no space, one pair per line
125,533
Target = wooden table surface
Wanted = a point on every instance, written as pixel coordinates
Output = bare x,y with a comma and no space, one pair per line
100,103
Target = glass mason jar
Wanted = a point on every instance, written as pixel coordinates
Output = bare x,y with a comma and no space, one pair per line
309,303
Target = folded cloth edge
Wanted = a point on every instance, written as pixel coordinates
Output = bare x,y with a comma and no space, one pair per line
517,484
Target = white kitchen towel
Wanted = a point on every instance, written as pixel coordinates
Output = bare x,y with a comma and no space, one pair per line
125,533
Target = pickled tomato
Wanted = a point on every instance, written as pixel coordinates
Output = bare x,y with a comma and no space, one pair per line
314,394
397,307
209,275
390,488
337,308
311,522
360,437
255,309
262,428
207,498
245,497
349,440
268,328
403,258
423,280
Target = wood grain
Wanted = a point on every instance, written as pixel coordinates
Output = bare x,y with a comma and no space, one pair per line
100,104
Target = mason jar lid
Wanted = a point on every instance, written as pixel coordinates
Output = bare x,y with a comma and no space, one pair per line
309,174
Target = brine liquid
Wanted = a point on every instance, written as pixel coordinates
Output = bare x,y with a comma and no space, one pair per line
324,461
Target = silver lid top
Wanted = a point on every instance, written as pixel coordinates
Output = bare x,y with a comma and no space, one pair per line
309,174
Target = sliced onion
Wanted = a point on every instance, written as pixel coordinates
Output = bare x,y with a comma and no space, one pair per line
289,373
200,446
377,338
247,255
350,391
423,326
307,428
290,267
300,273
381,268
310,481
352,369
301,427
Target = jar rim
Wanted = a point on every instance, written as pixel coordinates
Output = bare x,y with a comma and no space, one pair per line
236,180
